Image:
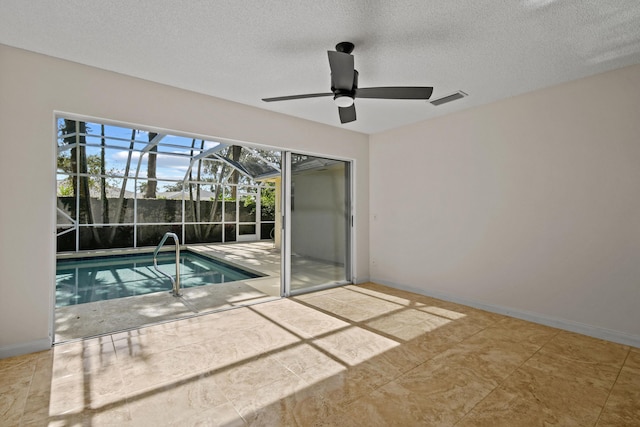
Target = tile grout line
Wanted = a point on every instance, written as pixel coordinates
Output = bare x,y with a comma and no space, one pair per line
604,405
429,359
434,356
507,377
373,389
128,399
26,397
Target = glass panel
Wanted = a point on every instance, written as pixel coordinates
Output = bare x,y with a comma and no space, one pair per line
208,170
203,233
63,217
104,237
65,242
116,133
169,164
269,160
267,230
88,191
163,190
66,132
268,204
160,207
157,189
253,162
119,202
65,185
109,201
229,233
104,155
257,167
109,161
150,235
66,201
230,204
247,208
64,164
319,222
159,211
203,203
247,229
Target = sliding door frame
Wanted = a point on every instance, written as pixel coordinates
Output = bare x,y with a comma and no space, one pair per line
285,253
286,225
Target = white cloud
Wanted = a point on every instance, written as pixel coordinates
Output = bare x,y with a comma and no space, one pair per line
122,155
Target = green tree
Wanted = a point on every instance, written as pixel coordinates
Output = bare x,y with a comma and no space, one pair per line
268,203
236,152
94,169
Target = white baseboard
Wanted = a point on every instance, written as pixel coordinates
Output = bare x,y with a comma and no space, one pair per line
26,347
360,280
567,325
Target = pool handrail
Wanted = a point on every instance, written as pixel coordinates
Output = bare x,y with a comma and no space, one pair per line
174,282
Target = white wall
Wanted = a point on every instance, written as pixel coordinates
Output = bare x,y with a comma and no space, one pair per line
33,86
529,206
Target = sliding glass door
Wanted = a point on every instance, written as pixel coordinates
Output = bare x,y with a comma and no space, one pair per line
319,200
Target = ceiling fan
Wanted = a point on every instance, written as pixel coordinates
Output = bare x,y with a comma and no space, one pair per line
344,86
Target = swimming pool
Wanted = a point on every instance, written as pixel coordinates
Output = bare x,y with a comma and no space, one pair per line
80,281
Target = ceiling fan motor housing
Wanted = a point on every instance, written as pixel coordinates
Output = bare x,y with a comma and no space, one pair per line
345,47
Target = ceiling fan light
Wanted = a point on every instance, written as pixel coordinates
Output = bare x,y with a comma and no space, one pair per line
343,101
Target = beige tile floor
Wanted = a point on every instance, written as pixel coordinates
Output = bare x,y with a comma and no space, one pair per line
364,355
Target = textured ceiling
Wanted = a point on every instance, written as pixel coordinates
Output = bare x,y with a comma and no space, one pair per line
246,50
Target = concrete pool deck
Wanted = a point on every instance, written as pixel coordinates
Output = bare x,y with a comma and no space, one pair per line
102,317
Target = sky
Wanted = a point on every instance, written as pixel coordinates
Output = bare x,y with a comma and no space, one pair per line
172,160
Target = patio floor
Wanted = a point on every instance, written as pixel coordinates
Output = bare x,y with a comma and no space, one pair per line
98,318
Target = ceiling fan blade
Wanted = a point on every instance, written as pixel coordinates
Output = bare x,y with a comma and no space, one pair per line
347,114
395,92
341,65
286,98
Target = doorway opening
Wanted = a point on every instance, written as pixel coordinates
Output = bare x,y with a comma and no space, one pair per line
120,189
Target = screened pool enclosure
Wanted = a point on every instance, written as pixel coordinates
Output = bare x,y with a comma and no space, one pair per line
282,219
120,187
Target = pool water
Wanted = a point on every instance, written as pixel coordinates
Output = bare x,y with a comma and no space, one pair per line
80,281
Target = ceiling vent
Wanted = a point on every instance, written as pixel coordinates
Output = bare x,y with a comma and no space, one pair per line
457,95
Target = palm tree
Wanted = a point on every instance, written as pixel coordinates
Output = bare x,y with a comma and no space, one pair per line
152,184
103,183
78,164
122,207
